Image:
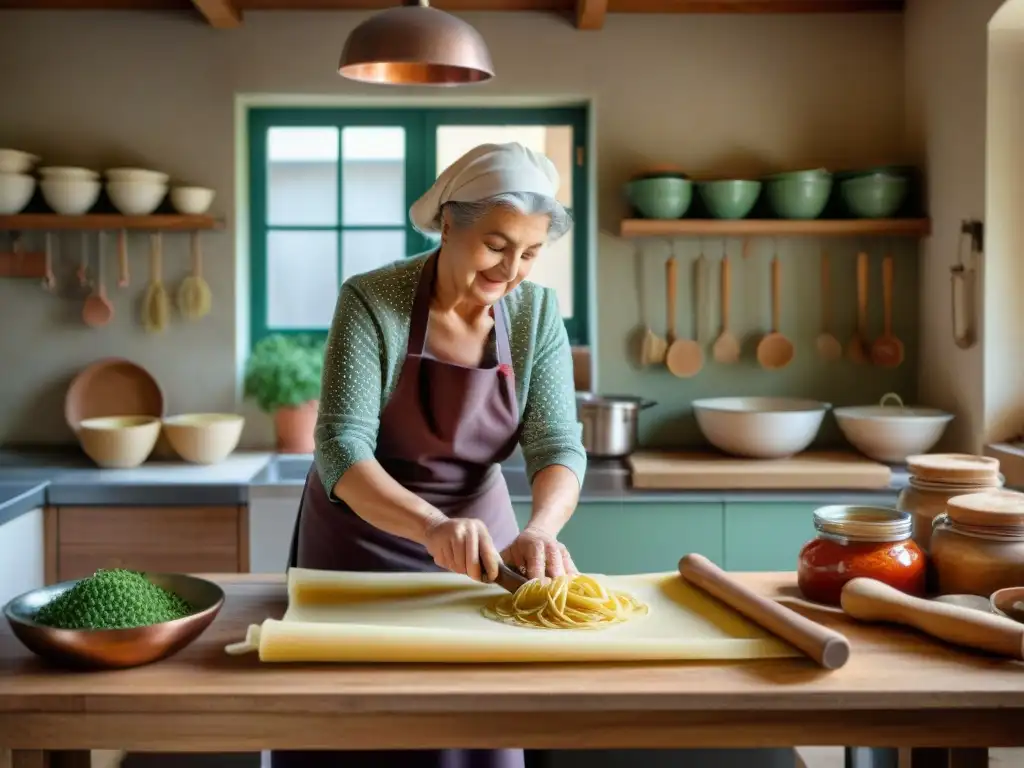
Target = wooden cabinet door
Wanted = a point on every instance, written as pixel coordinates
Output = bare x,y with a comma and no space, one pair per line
159,539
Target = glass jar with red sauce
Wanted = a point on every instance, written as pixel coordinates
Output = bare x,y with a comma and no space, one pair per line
873,542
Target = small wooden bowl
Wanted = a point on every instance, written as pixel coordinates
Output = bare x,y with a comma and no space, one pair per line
115,648
1009,602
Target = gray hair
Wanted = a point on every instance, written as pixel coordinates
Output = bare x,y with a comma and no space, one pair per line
529,203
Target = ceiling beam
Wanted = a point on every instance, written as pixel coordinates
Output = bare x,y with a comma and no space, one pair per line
590,13
221,14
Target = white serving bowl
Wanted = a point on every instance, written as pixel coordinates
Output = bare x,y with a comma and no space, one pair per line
70,196
16,161
890,433
119,442
760,427
137,174
136,198
204,438
192,200
68,172
15,191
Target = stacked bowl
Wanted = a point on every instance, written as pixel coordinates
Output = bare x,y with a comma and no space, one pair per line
874,193
69,190
799,194
17,184
660,194
136,191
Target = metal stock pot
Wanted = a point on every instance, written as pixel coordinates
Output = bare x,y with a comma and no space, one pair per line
609,423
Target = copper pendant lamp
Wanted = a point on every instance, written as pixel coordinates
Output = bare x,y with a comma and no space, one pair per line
416,45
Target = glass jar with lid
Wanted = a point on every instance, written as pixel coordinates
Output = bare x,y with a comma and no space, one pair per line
853,541
978,543
935,478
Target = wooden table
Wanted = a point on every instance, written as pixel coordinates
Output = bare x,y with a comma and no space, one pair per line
899,689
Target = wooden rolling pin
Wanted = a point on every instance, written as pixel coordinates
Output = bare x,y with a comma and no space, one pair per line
826,646
871,600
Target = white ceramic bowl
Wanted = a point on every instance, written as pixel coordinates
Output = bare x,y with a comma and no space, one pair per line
760,427
70,196
16,161
136,198
192,200
119,442
204,438
137,174
67,172
15,191
890,433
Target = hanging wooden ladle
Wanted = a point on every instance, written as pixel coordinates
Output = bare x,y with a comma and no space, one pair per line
856,348
829,347
97,310
775,350
726,348
652,346
684,357
887,351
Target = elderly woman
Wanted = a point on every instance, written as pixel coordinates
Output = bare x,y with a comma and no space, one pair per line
435,368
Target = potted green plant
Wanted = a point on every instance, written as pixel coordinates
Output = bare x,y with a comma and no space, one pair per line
283,376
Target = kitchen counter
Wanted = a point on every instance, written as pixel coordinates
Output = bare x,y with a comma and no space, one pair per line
70,479
899,688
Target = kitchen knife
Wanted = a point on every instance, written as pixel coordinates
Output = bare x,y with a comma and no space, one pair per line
507,579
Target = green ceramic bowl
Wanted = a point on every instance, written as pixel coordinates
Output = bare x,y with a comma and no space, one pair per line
808,173
729,198
906,171
799,198
873,197
661,197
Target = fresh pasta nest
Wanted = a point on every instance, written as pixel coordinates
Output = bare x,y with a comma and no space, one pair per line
565,602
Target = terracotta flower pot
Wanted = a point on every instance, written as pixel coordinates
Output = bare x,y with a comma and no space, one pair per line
294,427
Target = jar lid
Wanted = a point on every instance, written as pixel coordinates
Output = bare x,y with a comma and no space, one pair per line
954,467
990,509
856,523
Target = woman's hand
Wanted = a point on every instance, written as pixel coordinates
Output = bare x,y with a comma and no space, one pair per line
463,546
536,553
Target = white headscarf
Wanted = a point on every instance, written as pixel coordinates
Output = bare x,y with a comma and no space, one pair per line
483,172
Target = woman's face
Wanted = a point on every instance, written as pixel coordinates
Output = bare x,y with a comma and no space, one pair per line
491,257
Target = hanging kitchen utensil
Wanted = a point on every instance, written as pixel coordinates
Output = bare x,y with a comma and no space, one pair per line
652,346
97,310
122,259
775,350
83,261
887,351
194,297
963,278
684,357
727,347
828,345
49,281
156,306
857,349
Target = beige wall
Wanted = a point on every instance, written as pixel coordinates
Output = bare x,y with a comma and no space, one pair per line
713,93
964,114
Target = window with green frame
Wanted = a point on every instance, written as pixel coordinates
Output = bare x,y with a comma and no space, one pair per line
330,191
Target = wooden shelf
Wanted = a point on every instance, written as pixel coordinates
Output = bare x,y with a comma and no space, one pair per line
775,227
23,222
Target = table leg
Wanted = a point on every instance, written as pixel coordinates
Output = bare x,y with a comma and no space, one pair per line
41,758
932,757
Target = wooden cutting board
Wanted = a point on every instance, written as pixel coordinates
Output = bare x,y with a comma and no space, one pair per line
715,471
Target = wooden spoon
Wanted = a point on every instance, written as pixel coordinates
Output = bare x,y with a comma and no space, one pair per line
856,349
829,347
887,351
653,346
97,310
775,350
684,357
122,259
727,347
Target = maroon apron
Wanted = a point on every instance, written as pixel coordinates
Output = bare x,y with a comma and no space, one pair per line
442,435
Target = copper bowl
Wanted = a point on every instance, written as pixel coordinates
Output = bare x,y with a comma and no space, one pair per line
115,648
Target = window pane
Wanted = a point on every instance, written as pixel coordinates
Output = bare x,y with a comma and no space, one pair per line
553,269
366,249
555,141
373,176
302,176
302,279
